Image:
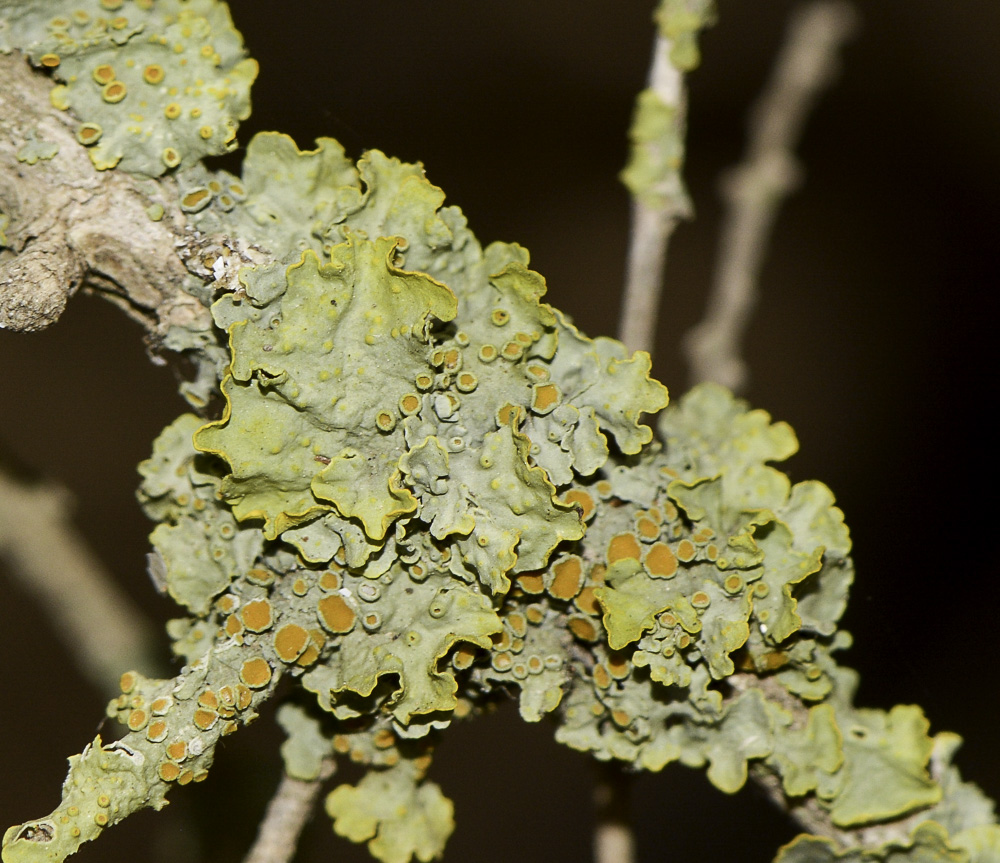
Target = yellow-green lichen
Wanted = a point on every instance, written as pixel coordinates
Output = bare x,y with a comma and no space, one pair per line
399,814
153,78
427,491
35,149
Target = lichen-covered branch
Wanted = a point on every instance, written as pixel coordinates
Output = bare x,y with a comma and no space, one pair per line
755,190
97,622
426,490
67,225
653,173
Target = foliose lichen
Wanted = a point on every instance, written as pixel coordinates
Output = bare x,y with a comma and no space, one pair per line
154,84
427,491
35,149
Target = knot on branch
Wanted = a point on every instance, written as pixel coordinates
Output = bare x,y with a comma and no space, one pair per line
35,286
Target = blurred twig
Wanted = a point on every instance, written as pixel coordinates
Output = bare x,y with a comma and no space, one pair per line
613,839
104,632
653,220
286,816
755,190
659,199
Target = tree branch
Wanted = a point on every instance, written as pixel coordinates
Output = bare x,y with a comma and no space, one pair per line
656,214
806,811
69,225
613,839
53,562
755,190
659,199
286,816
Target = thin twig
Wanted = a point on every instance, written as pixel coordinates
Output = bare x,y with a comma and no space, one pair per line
655,212
286,816
613,839
659,202
44,550
755,190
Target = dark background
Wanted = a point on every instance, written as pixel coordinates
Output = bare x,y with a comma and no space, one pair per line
874,338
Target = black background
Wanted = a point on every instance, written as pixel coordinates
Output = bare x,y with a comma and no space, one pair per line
874,339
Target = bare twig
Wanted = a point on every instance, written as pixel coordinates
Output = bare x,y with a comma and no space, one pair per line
44,550
287,814
756,189
613,839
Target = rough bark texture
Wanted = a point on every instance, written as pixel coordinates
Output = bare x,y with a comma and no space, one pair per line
71,226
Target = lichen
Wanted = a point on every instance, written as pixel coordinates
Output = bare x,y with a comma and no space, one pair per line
680,21
400,815
154,85
427,491
928,843
656,135
35,149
